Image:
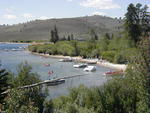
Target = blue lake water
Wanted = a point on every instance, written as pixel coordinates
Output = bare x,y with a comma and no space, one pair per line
11,55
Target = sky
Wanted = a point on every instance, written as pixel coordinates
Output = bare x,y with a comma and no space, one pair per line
19,11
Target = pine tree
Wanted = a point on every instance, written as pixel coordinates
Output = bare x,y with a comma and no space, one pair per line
107,36
145,20
72,37
93,35
54,35
69,38
136,21
76,49
4,85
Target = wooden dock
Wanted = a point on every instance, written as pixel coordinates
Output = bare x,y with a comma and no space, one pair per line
43,82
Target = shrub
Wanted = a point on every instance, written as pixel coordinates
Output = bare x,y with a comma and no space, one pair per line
109,55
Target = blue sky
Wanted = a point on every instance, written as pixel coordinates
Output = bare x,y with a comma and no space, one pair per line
18,11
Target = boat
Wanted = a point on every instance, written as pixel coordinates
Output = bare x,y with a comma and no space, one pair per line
46,65
66,60
56,82
61,60
90,68
113,73
14,49
92,62
82,65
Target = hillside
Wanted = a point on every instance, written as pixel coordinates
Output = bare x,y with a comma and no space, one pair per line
79,27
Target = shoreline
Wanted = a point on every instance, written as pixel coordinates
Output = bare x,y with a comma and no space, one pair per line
13,43
31,43
90,61
103,63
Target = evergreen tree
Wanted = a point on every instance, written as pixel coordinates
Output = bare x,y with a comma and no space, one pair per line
107,36
76,49
132,23
93,35
72,37
145,20
136,21
54,35
69,38
4,85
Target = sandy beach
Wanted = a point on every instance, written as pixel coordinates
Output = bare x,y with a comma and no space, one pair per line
90,61
112,65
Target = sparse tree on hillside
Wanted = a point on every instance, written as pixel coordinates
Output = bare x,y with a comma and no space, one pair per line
93,35
108,36
69,38
72,37
54,35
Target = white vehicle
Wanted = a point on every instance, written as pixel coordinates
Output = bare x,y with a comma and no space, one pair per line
90,68
66,60
79,65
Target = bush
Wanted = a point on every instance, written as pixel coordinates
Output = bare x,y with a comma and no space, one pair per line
64,48
109,55
120,59
116,96
108,49
33,48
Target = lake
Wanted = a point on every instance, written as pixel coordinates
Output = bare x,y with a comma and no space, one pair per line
11,55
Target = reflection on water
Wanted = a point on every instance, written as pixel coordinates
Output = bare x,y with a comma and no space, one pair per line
11,60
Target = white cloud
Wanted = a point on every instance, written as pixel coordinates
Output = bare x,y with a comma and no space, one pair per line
100,4
9,16
10,9
27,15
98,13
43,18
148,6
